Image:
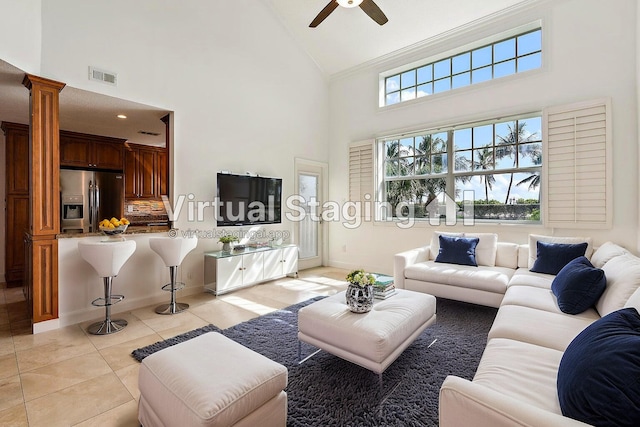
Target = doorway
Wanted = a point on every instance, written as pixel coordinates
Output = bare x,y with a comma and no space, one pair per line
310,230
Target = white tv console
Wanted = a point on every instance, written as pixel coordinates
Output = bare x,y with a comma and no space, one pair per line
226,271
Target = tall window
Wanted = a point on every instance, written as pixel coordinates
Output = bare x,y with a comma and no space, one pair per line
502,58
498,162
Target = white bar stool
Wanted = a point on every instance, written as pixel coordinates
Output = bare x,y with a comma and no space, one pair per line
172,250
107,258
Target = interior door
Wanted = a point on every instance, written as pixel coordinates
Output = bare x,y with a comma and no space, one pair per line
310,230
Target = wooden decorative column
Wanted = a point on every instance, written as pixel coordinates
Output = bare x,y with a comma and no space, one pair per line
44,195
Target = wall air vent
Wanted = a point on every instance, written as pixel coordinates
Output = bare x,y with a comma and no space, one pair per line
103,76
146,132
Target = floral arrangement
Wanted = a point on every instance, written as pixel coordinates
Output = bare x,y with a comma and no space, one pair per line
228,239
360,278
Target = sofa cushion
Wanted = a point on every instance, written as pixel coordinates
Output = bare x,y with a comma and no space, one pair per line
525,277
552,257
534,238
540,327
531,296
523,256
434,247
599,374
578,286
457,250
605,253
521,370
634,300
491,279
623,278
507,254
486,250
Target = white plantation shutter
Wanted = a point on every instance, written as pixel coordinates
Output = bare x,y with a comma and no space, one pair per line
361,171
577,165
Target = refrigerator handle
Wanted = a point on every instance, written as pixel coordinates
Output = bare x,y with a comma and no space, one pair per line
90,195
96,194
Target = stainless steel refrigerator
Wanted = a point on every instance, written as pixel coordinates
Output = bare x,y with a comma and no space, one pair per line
87,197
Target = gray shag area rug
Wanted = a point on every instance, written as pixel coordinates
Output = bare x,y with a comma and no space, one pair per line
328,391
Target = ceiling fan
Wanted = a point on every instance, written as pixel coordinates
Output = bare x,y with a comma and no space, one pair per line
368,6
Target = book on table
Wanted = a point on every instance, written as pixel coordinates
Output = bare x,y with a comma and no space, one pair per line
385,295
384,292
384,287
383,279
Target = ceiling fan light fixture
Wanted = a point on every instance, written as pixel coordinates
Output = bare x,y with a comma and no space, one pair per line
349,3
368,6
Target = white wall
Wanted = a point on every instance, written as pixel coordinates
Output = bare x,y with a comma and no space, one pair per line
246,97
20,33
638,90
589,52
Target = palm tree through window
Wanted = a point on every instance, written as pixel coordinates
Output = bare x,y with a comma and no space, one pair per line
499,162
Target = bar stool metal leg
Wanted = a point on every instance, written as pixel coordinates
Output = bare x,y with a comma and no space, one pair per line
107,326
173,307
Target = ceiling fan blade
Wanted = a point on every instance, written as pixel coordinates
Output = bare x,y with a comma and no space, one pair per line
324,13
374,12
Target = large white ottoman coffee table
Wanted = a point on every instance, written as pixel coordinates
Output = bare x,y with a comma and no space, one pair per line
373,340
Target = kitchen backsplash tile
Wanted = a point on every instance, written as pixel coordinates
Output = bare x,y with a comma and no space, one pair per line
153,208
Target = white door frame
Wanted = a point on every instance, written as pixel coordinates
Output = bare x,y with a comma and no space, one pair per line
312,166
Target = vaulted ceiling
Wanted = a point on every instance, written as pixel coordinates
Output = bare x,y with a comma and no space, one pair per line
348,37
345,39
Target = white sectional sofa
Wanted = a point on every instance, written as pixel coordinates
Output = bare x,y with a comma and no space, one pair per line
485,284
516,381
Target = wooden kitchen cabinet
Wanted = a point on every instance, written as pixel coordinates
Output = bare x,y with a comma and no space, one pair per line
144,172
17,224
162,174
91,151
17,199
76,150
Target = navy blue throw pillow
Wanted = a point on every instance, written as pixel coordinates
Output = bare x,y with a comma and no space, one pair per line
553,256
458,250
578,286
599,374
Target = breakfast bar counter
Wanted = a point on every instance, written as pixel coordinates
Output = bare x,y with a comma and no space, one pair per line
140,280
132,229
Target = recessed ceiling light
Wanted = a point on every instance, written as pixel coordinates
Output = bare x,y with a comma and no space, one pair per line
121,116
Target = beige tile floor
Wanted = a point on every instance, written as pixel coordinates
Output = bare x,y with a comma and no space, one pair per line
67,377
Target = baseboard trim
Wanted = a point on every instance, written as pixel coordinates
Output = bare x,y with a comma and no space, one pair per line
127,305
47,325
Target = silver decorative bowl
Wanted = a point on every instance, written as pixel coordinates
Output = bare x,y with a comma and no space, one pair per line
114,231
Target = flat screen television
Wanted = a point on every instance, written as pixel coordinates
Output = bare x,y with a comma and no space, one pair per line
248,200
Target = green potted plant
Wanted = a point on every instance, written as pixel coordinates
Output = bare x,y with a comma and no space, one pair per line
226,241
359,293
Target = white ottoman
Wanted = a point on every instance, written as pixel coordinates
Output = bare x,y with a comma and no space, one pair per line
211,380
372,340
